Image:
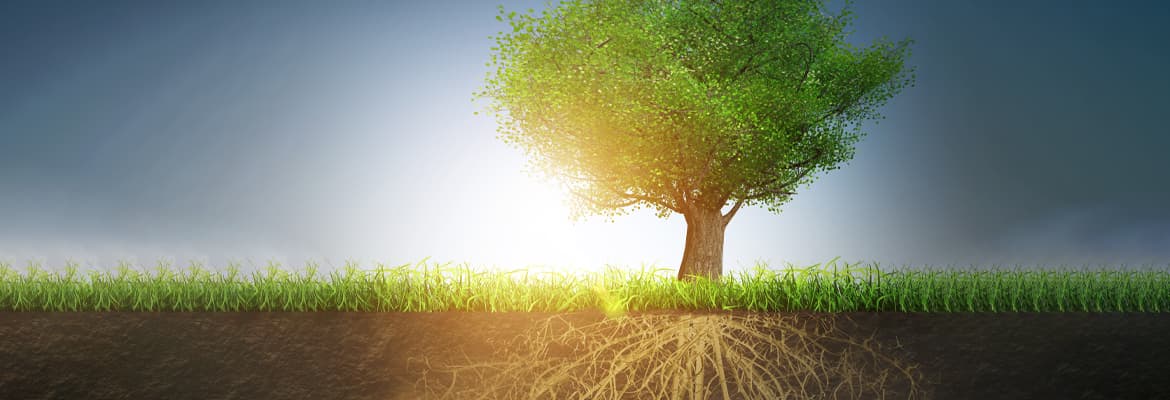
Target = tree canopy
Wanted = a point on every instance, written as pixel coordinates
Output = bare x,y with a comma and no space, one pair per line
677,104
688,106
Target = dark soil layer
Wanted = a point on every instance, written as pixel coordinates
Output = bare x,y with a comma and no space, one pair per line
376,355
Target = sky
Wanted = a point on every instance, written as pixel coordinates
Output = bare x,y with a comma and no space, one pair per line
294,131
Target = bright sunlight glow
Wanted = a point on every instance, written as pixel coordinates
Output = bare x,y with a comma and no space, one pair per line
530,227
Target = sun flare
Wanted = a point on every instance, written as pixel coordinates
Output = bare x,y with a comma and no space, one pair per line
537,231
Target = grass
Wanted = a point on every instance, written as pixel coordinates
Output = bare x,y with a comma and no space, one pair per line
434,287
694,355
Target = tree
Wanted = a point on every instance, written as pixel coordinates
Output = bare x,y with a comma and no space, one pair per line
687,106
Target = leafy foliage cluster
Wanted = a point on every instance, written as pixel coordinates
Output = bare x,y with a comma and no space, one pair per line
681,105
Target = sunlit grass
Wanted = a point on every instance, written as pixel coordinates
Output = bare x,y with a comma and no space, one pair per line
434,287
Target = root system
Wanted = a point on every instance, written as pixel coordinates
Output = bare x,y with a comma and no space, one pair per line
681,356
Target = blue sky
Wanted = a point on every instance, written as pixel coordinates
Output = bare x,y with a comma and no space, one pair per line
298,130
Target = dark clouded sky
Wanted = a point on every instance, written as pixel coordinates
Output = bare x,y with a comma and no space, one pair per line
296,130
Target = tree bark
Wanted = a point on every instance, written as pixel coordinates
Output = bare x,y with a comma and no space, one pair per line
703,254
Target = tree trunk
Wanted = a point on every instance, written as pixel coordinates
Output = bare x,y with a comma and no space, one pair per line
703,254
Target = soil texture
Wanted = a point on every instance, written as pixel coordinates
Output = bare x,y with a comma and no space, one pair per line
334,355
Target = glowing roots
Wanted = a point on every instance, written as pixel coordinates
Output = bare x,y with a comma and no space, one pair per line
689,356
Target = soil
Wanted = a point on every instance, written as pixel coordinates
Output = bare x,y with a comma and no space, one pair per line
327,355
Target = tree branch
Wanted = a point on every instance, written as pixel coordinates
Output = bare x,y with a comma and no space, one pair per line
602,204
731,213
648,199
782,189
799,85
817,153
632,197
807,65
710,24
761,194
745,66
